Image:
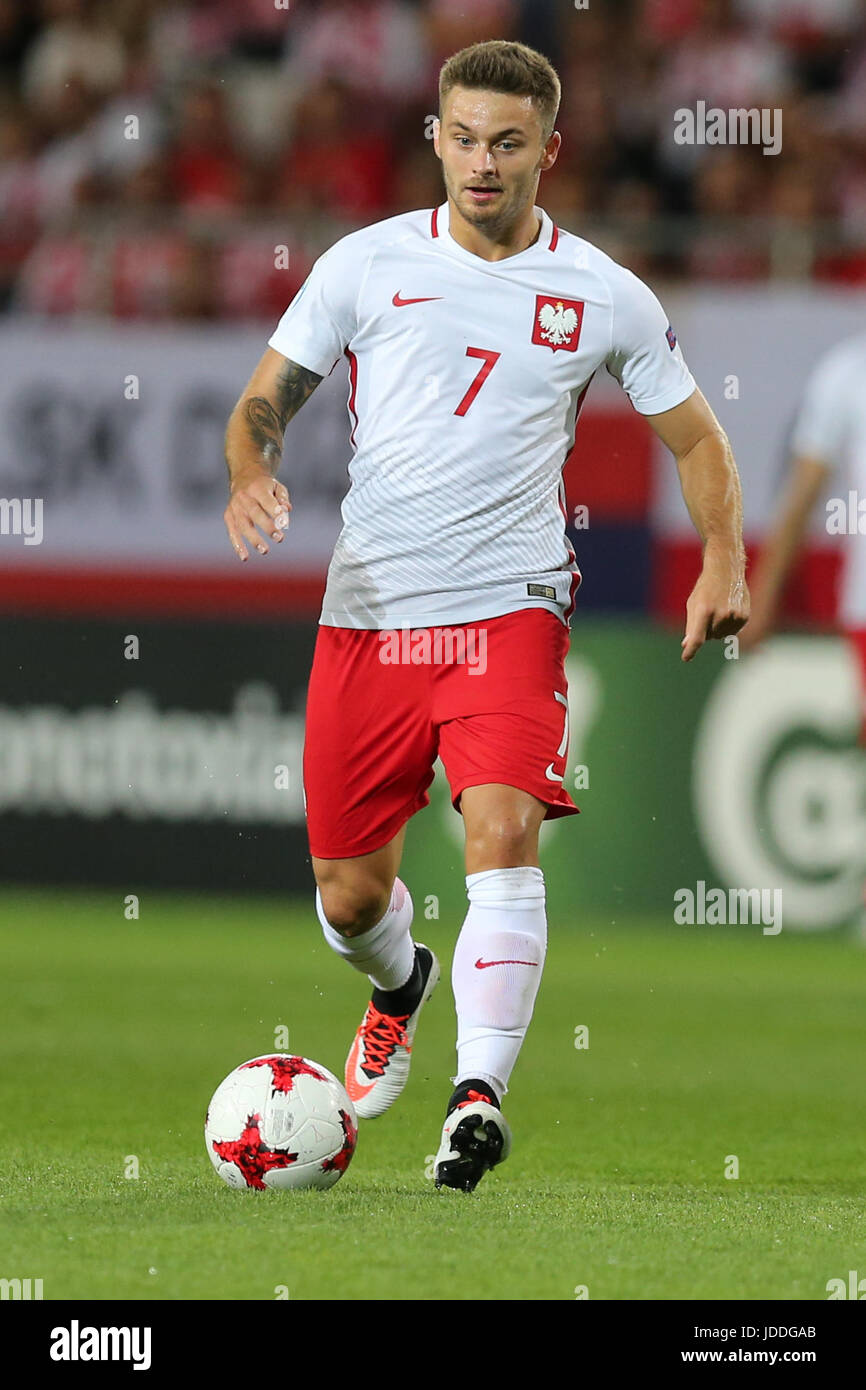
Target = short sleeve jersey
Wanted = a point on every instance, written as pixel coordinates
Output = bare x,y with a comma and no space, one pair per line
466,377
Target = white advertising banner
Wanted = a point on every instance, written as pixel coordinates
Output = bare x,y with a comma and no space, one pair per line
111,439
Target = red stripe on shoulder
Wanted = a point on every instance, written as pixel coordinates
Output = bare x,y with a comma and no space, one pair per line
554,238
434,221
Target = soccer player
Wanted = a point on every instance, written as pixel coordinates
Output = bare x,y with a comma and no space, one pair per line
471,332
829,436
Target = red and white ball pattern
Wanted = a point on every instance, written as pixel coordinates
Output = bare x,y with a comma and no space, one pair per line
280,1121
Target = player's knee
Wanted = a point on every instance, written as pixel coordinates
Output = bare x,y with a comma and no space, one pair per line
352,908
505,843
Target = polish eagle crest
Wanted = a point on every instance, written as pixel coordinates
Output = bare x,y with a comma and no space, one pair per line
557,322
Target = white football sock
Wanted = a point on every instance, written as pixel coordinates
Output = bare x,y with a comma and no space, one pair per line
506,922
385,952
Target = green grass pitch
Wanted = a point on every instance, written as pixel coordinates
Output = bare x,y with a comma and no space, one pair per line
704,1043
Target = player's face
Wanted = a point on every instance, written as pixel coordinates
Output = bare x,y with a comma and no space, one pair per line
493,150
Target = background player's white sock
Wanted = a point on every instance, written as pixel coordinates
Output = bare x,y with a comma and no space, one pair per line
507,922
385,952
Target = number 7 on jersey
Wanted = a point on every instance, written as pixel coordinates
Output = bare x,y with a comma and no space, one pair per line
489,360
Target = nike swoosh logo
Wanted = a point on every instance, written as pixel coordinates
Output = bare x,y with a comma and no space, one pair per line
486,964
359,1092
426,299
353,1086
551,775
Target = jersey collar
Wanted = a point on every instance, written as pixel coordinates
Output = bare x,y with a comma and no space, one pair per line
440,231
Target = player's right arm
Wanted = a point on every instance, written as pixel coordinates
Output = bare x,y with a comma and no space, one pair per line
806,481
254,447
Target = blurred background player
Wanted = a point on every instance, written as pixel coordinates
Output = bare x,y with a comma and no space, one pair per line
479,462
828,441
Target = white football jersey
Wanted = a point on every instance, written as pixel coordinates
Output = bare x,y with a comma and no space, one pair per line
831,428
465,381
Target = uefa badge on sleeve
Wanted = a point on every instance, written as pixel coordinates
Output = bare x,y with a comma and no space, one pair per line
557,322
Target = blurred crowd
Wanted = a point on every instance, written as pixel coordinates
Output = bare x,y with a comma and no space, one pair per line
154,153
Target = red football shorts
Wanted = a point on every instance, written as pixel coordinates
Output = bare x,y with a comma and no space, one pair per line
857,638
489,698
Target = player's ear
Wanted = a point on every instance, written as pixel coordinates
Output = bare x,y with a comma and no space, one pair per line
437,127
551,150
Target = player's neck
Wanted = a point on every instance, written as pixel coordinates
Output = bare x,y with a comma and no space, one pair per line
518,238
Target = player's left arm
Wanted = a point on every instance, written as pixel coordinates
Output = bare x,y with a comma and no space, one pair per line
718,605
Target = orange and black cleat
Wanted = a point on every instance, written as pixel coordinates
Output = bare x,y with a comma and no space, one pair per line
377,1067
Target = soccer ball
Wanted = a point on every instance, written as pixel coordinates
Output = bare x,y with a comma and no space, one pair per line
280,1121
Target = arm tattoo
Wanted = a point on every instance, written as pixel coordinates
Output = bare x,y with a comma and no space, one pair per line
267,422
